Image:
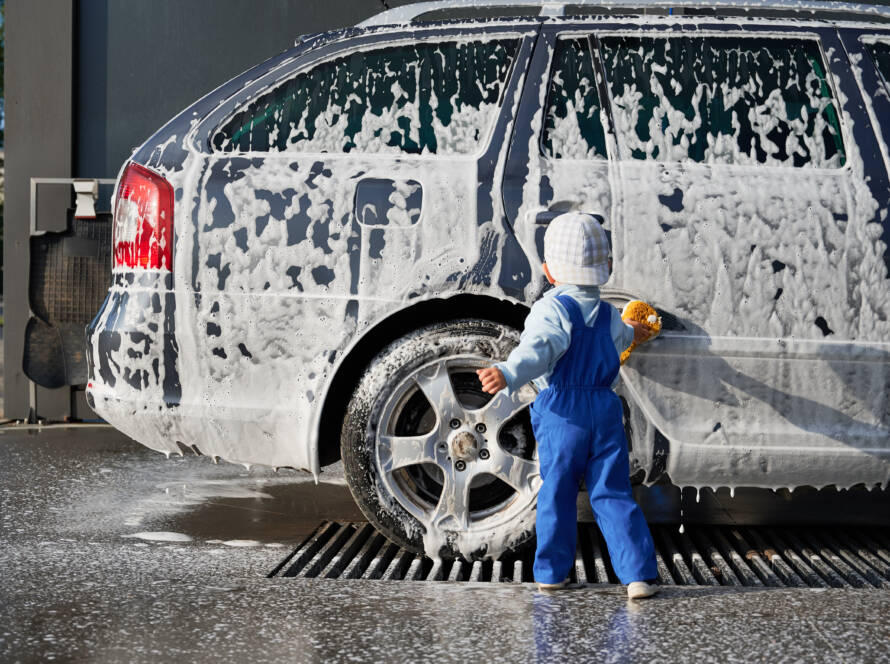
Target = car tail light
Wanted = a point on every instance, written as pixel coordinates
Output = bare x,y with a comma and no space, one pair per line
143,221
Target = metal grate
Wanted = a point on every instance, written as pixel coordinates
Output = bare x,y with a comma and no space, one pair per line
824,557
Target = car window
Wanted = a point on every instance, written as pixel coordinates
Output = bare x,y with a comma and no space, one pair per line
723,100
422,98
880,55
572,127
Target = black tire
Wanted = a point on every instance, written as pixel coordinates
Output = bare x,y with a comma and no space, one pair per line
390,405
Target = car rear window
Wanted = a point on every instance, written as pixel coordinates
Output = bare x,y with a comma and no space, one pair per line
422,98
572,126
723,100
880,55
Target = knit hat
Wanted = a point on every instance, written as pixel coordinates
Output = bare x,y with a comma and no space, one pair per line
576,249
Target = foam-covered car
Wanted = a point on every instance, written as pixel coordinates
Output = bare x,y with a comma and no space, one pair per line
311,261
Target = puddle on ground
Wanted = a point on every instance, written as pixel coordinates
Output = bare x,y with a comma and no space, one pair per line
241,513
95,483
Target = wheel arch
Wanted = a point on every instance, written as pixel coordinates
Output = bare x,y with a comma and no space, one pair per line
375,339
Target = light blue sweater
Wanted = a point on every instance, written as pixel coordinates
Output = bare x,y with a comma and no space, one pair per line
548,333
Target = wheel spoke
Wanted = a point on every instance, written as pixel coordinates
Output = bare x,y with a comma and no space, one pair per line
453,510
400,451
503,407
436,386
522,474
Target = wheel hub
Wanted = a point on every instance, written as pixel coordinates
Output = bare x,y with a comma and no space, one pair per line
464,446
440,459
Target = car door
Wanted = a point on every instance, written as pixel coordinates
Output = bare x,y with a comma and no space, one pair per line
745,204
338,190
559,157
751,213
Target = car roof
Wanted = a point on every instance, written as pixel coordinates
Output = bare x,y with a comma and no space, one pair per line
469,14
495,10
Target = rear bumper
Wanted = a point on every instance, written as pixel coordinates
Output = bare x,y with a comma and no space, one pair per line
131,343
238,435
132,358
174,399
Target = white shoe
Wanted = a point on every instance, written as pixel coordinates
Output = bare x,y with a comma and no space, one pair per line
641,589
553,586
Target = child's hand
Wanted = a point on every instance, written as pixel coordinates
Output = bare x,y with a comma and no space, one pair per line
492,379
642,333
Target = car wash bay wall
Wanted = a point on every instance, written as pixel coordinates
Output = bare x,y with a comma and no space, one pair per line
86,82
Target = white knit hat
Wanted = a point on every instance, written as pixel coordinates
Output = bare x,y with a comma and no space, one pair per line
576,250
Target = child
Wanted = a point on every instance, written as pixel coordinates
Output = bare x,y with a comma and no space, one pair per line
573,339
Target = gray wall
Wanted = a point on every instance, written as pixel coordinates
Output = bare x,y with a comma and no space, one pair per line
38,144
140,63
89,80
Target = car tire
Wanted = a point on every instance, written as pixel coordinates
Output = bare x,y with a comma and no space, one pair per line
434,463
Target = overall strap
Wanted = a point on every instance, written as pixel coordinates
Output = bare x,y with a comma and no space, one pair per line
603,322
602,328
573,309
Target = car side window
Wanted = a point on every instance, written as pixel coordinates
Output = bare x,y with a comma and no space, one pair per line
723,100
572,126
425,98
880,55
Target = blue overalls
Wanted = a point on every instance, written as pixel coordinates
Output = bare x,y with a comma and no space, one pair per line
577,422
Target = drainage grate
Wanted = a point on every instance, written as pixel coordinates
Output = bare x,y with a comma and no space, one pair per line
837,557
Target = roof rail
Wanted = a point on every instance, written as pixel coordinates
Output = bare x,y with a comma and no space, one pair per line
408,13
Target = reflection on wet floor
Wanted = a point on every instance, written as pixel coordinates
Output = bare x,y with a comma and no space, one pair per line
278,513
94,482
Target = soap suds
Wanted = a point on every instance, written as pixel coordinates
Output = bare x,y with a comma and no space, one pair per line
238,362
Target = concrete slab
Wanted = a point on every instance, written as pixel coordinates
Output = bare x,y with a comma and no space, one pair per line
200,618
113,553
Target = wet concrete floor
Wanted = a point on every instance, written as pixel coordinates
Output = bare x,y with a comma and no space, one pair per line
110,552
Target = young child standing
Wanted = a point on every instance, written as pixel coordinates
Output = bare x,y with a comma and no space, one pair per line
572,340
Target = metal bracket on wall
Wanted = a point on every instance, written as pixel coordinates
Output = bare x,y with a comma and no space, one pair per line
51,198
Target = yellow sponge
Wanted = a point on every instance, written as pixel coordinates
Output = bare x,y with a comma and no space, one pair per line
641,312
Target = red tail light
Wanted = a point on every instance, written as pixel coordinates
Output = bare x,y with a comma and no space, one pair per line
143,221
